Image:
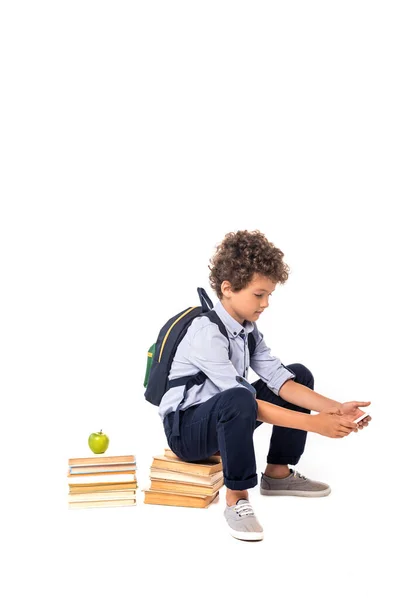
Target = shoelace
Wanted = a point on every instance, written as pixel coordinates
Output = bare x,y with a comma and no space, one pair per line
299,475
244,510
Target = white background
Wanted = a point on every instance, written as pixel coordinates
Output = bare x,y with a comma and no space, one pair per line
134,136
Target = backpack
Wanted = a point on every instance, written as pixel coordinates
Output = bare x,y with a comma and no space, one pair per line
161,354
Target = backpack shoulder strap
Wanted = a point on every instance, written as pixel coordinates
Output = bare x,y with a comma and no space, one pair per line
206,303
252,343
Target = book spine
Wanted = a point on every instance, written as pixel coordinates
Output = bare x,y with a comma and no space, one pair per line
100,469
101,504
110,460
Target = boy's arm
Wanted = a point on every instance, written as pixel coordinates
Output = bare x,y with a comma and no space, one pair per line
209,353
301,395
284,417
330,425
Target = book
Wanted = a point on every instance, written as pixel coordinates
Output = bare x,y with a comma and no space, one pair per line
102,460
171,499
77,470
102,487
102,504
195,468
99,496
215,458
161,485
125,477
185,477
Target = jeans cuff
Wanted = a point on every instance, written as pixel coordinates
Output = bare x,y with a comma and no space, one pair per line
234,484
282,460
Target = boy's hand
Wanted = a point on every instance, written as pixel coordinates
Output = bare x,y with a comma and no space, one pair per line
351,410
334,424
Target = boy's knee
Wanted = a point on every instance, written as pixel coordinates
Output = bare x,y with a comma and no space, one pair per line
303,375
239,401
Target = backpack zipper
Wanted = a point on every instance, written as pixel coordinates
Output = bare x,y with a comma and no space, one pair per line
169,330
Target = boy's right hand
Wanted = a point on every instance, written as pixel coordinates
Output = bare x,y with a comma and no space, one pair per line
334,424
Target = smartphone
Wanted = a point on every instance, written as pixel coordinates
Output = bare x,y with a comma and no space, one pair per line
361,417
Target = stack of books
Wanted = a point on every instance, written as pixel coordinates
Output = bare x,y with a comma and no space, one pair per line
175,482
102,481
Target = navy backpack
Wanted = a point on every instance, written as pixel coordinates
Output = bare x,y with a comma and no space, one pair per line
161,354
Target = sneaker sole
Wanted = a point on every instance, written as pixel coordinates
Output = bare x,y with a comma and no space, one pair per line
247,536
309,494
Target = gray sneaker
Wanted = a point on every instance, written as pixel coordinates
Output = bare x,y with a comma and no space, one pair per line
242,522
294,484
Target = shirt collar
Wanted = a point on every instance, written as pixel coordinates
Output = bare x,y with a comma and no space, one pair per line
230,323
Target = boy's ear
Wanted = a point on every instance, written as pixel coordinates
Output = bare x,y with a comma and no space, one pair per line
226,288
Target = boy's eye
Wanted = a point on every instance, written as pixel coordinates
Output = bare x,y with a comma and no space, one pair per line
258,295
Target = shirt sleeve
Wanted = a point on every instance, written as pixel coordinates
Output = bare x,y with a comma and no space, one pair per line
209,352
269,368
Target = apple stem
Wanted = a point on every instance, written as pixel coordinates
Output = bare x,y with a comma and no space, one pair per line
101,430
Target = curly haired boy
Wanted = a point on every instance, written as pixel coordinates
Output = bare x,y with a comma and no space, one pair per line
221,414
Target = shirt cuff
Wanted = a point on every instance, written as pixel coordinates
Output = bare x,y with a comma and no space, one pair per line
280,377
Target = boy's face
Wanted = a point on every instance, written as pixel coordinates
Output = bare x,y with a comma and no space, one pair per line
251,301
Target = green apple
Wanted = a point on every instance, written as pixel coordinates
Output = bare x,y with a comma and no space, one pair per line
98,442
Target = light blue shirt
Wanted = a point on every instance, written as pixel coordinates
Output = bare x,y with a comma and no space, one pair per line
205,348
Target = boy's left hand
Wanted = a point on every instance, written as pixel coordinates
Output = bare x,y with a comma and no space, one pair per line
352,411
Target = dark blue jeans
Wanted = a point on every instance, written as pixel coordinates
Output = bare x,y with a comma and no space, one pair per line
226,423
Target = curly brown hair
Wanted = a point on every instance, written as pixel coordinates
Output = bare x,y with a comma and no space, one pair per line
242,254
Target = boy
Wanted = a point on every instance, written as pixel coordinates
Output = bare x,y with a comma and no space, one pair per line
222,413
